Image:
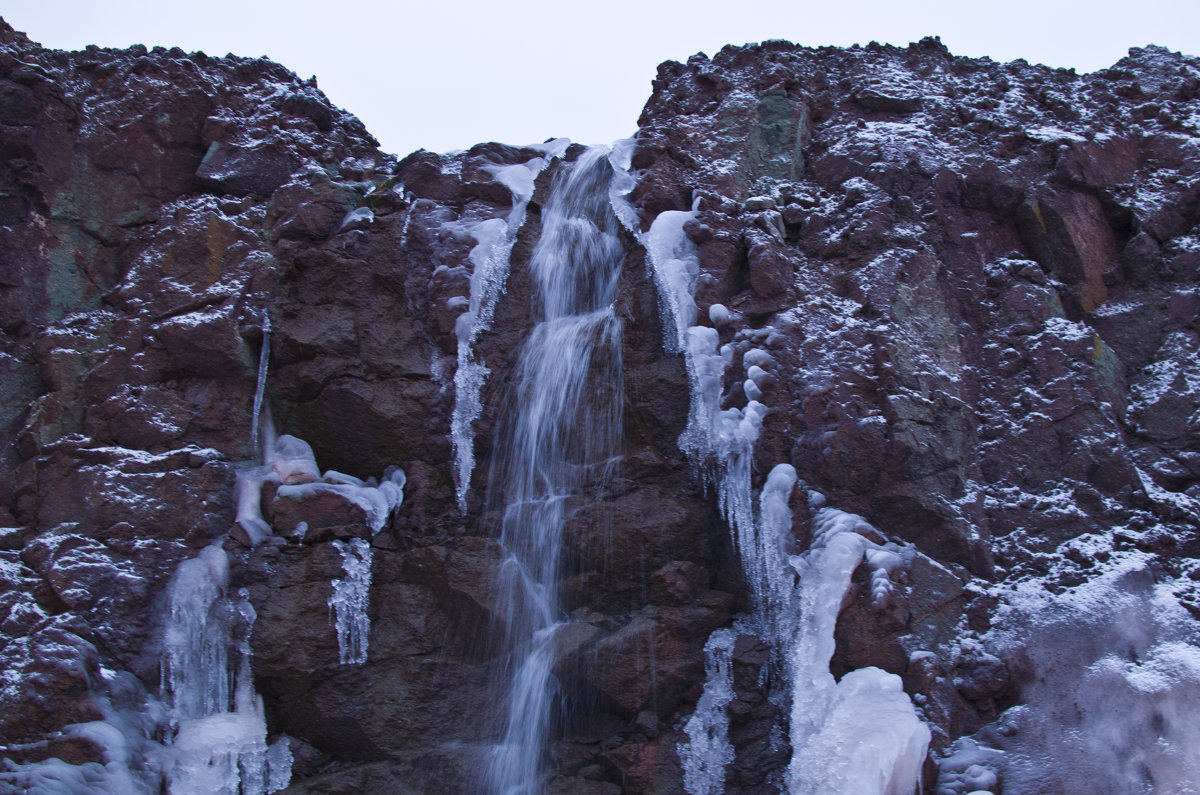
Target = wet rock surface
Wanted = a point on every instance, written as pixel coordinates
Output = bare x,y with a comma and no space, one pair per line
977,285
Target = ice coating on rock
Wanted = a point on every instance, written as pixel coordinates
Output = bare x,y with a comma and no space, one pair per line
279,765
377,502
218,742
675,270
356,217
860,734
765,555
707,751
490,263
870,740
123,736
292,461
350,599
1116,659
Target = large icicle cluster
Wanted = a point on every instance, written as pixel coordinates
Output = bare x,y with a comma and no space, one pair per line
218,744
859,735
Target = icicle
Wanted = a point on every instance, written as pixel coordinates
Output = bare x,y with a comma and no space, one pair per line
885,754
708,752
350,599
264,356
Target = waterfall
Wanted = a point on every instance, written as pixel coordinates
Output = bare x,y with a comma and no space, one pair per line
559,439
489,259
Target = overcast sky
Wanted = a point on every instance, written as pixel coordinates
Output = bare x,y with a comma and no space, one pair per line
444,74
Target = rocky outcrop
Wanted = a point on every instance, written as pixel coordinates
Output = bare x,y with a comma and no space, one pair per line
977,285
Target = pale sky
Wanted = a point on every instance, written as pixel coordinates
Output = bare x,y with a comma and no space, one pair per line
444,75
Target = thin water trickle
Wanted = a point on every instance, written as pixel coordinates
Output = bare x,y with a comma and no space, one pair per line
560,439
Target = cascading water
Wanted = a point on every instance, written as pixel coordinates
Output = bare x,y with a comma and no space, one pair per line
560,440
489,261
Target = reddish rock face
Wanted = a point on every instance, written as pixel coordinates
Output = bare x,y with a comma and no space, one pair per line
975,286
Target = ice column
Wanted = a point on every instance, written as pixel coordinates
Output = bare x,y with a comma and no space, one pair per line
707,752
761,543
861,734
264,356
219,734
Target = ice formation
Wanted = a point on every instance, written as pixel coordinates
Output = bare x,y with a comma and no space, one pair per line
707,751
290,462
563,437
1113,672
490,262
218,739
264,357
860,734
350,599
377,501
123,735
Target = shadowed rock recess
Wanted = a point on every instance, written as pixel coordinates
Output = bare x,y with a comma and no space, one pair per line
960,298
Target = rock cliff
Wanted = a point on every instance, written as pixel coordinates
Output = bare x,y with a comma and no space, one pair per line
970,291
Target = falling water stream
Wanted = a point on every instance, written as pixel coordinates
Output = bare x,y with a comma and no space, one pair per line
560,439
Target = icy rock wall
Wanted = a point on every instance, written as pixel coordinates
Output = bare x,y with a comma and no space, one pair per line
826,730
976,283
1113,670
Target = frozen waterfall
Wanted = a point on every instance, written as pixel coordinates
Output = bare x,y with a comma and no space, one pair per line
218,744
349,601
560,438
859,735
